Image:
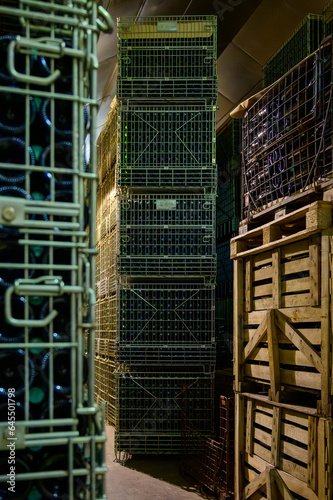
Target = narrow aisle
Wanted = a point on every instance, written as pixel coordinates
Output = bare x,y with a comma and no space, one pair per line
123,482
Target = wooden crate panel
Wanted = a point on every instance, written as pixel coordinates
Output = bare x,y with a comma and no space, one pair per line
283,451
287,276
283,319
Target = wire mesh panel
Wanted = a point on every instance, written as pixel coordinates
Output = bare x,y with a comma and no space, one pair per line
167,234
284,153
328,18
304,40
47,85
166,322
167,145
173,57
151,406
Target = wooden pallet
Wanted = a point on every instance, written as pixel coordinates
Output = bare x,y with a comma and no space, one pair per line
282,311
282,451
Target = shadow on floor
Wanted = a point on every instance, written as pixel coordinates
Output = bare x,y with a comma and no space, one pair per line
163,467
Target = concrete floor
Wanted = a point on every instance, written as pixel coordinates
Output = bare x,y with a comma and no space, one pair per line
145,477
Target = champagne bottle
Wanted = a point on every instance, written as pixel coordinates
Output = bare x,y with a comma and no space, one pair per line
62,159
10,333
12,364
11,252
62,121
12,151
64,64
23,464
12,113
53,488
62,369
61,323
20,60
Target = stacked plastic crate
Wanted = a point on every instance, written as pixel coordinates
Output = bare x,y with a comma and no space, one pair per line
163,189
304,40
283,289
228,208
52,433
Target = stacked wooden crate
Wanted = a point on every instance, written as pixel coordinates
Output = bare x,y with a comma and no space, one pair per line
283,326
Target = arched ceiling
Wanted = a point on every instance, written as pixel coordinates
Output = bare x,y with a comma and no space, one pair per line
249,33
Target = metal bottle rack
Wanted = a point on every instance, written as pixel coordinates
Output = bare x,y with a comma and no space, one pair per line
47,264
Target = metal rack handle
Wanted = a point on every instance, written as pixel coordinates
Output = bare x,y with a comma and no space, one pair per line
34,80
106,23
34,323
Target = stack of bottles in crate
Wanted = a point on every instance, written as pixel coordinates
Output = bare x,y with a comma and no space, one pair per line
283,289
53,436
228,207
156,234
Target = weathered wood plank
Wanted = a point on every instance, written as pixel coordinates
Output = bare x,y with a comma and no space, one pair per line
314,269
273,355
312,453
249,427
298,340
248,284
276,432
254,341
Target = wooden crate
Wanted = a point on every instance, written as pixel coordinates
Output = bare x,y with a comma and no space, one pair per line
282,451
282,306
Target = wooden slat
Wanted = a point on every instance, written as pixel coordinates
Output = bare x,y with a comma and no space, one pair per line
296,300
326,398
312,453
271,488
306,314
276,432
287,357
262,304
255,485
295,249
314,268
286,465
282,487
238,322
261,291
249,427
248,284
298,340
293,483
273,355
313,336
262,274
262,259
295,285
254,341
288,377
321,459
276,281
239,446
295,266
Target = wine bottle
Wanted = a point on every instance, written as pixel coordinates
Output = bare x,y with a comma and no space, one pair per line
10,333
22,464
20,60
61,257
12,151
16,192
53,488
12,364
62,369
62,120
62,159
12,113
64,64
61,323
12,253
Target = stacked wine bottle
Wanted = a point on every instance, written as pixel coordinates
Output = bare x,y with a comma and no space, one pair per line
47,408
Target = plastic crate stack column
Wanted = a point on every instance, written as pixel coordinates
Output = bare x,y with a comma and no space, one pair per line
283,290
162,196
228,210
304,40
47,258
